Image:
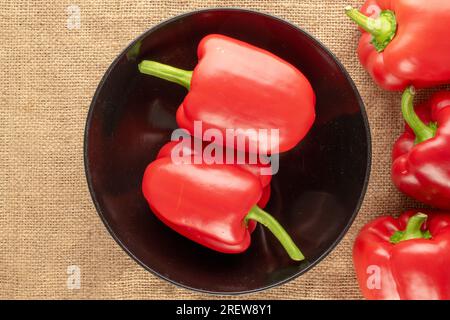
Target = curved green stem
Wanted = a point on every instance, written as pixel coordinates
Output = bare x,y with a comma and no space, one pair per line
413,229
259,215
422,131
382,29
166,72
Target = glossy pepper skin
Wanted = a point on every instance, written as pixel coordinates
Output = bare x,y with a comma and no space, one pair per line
404,42
210,204
181,148
405,258
421,155
187,149
236,85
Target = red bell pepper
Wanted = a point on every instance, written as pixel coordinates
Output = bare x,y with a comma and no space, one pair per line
210,204
421,156
188,150
405,258
404,42
238,86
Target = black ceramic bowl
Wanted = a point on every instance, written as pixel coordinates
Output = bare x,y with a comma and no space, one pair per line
315,195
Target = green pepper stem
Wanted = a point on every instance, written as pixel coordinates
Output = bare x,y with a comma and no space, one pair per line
166,72
382,29
420,129
413,229
259,215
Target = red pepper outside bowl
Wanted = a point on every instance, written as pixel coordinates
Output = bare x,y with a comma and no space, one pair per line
315,195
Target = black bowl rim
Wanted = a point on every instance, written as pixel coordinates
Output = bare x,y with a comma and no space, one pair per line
311,38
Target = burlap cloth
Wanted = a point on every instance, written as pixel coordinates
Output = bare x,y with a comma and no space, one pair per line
48,75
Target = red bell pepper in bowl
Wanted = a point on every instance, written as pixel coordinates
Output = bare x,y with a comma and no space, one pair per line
211,204
188,150
404,42
183,149
236,85
404,258
421,155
